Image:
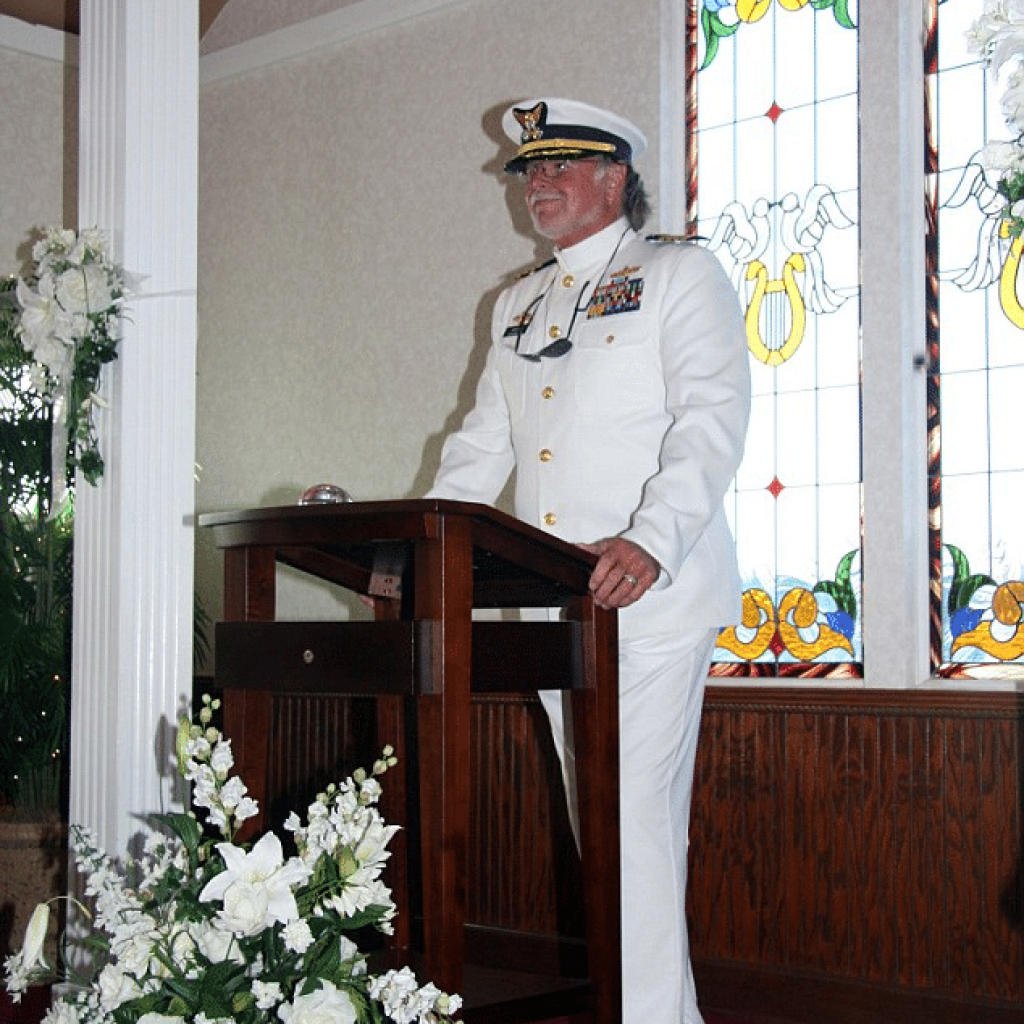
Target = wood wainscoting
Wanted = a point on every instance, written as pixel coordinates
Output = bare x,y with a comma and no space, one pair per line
856,856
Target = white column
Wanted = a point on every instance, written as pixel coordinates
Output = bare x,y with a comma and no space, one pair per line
132,651
673,144
892,188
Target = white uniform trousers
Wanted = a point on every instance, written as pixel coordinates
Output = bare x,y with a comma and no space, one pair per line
661,692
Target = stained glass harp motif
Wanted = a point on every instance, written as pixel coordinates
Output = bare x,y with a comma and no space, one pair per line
773,191
976,371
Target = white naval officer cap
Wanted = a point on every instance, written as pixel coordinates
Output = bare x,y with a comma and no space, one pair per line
552,129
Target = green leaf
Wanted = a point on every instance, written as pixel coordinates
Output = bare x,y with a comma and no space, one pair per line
710,51
844,569
840,589
370,916
714,29
960,594
840,9
184,826
960,565
218,986
842,13
964,584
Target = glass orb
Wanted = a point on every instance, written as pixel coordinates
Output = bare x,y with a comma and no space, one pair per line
322,494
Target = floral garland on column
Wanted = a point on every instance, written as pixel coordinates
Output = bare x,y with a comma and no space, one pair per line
69,324
997,36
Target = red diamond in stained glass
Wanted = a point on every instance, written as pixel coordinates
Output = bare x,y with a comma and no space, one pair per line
774,112
776,487
778,645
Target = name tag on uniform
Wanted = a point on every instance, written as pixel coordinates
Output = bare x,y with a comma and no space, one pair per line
521,322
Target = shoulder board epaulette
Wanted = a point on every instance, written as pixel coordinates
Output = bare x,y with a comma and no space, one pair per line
670,238
533,270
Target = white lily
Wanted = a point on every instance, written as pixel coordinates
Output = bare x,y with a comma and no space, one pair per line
32,955
256,886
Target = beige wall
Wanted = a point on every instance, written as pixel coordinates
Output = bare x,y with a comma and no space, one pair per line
353,237
38,151
354,231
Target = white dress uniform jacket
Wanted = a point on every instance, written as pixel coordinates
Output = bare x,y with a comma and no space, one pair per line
636,431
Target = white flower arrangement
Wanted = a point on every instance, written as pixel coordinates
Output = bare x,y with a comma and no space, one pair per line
70,325
214,932
997,36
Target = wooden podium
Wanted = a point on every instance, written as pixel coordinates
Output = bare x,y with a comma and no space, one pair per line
428,563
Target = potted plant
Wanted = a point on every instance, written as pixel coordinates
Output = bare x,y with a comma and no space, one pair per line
35,639
35,594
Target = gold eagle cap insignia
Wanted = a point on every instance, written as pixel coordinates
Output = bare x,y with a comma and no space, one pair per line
532,121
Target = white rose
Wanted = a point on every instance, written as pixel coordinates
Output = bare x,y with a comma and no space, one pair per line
71,327
160,1018
245,908
183,947
267,993
297,936
327,1005
1000,156
217,945
57,239
116,987
94,239
135,953
84,290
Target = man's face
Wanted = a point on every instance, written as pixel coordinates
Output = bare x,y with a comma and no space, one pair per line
569,200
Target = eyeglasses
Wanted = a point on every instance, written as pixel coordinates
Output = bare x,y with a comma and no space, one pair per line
550,170
555,348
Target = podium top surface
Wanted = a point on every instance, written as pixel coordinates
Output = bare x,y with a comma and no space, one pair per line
513,563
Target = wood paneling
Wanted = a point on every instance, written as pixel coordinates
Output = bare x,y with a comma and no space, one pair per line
523,865
856,856
868,839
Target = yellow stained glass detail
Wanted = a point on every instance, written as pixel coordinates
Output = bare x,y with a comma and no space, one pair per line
1008,280
759,614
755,10
799,611
767,352
797,614
1007,602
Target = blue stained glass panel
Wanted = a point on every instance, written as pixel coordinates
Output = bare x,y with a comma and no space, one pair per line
776,197
977,373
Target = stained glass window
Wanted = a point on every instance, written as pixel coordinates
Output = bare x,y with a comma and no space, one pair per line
976,353
774,193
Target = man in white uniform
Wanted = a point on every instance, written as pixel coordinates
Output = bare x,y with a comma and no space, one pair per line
618,388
